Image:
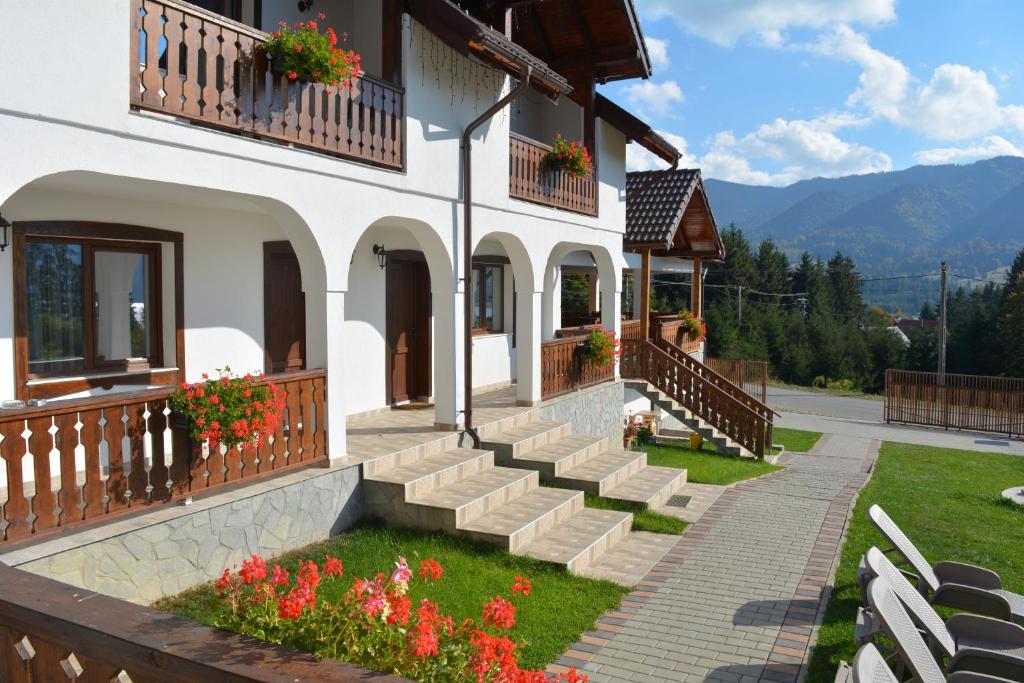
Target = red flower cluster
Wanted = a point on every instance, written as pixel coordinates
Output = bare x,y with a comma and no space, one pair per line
601,347
522,585
234,411
571,157
333,566
430,569
301,52
499,613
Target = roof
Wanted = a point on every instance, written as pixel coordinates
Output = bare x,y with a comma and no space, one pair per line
635,130
470,36
911,326
583,40
668,212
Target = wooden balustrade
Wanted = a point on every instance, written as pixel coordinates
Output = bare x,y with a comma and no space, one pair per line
632,329
670,328
749,375
532,179
565,368
51,631
700,391
81,461
202,67
971,402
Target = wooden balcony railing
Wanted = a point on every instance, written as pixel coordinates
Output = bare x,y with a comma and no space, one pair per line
700,391
632,329
749,375
670,329
200,66
81,461
532,179
564,368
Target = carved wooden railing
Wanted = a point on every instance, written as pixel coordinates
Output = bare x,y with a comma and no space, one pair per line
700,391
632,329
565,368
749,375
531,178
203,67
670,328
51,631
76,462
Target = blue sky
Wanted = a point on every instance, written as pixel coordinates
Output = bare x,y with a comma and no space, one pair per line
773,91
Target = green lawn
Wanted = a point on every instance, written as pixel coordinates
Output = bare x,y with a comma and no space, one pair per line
643,519
473,572
704,466
948,502
796,440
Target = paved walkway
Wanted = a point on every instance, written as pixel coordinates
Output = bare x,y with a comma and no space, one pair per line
737,598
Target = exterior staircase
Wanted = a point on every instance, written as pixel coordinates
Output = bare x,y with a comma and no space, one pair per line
495,495
722,443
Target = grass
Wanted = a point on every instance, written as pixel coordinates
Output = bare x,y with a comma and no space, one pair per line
796,440
473,572
705,466
948,502
643,518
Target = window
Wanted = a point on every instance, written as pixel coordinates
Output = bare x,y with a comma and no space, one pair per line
488,298
90,305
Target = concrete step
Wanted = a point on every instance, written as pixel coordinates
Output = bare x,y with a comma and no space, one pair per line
456,505
557,457
581,540
515,443
723,444
651,486
602,473
432,472
631,560
516,524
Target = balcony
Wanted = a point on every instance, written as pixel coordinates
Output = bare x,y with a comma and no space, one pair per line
533,180
209,70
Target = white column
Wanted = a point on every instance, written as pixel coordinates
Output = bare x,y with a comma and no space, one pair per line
528,340
552,306
334,323
449,355
611,309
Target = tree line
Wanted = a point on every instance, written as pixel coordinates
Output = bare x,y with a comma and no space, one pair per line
810,322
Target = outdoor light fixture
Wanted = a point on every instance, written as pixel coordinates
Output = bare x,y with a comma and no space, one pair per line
5,233
381,254
305,5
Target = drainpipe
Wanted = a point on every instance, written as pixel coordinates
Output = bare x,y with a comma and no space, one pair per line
467,223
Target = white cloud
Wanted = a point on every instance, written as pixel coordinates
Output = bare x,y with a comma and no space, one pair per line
883,79
657,49
992,146
648,97
724,22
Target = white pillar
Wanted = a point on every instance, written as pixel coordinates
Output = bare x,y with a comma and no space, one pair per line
552,306
334,322
449,355
528,340
611,307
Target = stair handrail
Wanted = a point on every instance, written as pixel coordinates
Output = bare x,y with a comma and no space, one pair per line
715,376
753,433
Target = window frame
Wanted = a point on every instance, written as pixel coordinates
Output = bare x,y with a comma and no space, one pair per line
481,290
95,236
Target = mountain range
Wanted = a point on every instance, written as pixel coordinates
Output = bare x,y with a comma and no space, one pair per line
893,224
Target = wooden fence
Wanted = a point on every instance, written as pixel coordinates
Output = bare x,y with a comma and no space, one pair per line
565,368
532,179
72,463
51,631
206,68
971,402
749,375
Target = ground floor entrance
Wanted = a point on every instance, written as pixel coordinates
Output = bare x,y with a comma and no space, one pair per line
407,299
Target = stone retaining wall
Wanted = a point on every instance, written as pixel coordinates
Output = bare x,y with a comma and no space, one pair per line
596,411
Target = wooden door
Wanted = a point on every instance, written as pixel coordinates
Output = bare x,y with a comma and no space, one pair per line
408,330
284,309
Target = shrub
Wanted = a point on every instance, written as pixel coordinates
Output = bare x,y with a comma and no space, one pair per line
375,625
303,53
230,410
571,157
601,347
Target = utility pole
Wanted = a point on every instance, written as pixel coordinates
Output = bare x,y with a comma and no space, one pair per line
739,306
942,318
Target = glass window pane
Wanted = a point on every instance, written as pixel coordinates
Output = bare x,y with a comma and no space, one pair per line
477,324
122,307
494,299
56,339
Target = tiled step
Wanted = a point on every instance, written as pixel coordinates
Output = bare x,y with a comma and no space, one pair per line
516,443
629,561
432,472
557,457
651,486
455,505
581,540
723,444
525,519
602,473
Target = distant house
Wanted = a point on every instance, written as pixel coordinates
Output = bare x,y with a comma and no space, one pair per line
914,326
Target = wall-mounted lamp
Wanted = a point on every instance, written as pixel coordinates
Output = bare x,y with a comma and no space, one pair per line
305,5
381,254
5,233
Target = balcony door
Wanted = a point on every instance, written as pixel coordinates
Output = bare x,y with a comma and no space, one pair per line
284,309
408,329
246,11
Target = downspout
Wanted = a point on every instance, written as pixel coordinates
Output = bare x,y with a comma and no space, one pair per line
467,226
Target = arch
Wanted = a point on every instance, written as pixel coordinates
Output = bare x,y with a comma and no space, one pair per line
609,273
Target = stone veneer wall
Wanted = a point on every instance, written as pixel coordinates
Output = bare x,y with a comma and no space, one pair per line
176,547
596,411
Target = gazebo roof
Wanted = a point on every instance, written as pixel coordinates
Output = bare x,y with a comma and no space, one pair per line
668,213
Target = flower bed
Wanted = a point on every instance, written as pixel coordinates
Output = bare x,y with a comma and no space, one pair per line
472,576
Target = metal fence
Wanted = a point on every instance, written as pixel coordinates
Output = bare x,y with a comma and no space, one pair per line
971,402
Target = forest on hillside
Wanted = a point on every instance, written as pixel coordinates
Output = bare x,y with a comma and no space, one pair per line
810,322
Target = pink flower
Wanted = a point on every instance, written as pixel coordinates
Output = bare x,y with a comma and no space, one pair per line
402,573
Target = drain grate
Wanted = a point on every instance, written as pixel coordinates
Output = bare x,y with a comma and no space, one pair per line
678,501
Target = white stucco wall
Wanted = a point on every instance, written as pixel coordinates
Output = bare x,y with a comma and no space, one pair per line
493,359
